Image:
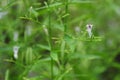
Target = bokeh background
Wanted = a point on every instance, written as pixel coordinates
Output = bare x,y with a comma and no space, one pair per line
91,60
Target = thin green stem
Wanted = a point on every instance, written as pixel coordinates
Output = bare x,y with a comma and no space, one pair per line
50,40
66,18
63,45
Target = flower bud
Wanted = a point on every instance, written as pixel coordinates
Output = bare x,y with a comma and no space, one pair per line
89,29
15,37
15,50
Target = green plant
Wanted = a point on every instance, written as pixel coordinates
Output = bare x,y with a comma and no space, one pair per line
59,40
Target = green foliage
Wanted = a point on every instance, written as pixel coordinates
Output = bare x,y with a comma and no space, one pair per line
49,40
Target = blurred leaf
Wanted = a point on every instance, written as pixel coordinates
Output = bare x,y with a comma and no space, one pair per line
117,77
80,2
44,47
29,55
84,56
50,6
7,75
63,74
54,55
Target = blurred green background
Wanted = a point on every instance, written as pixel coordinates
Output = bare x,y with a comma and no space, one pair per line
85,60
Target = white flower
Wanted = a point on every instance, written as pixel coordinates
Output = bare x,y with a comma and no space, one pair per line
89,29
77,29
15,38
45,29
15,50
28,30
2,14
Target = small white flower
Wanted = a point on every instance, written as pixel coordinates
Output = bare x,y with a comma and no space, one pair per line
89,29
31,7
15,50
45,29
77,29
2,14
15,38
28,30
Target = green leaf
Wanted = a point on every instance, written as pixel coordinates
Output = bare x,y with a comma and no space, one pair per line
7,75
29,56
84,56
44,47
50,6
63,74
34,78
54,56
80,2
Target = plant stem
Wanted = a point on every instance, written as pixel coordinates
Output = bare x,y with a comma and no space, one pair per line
66,18
50,40
63,45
